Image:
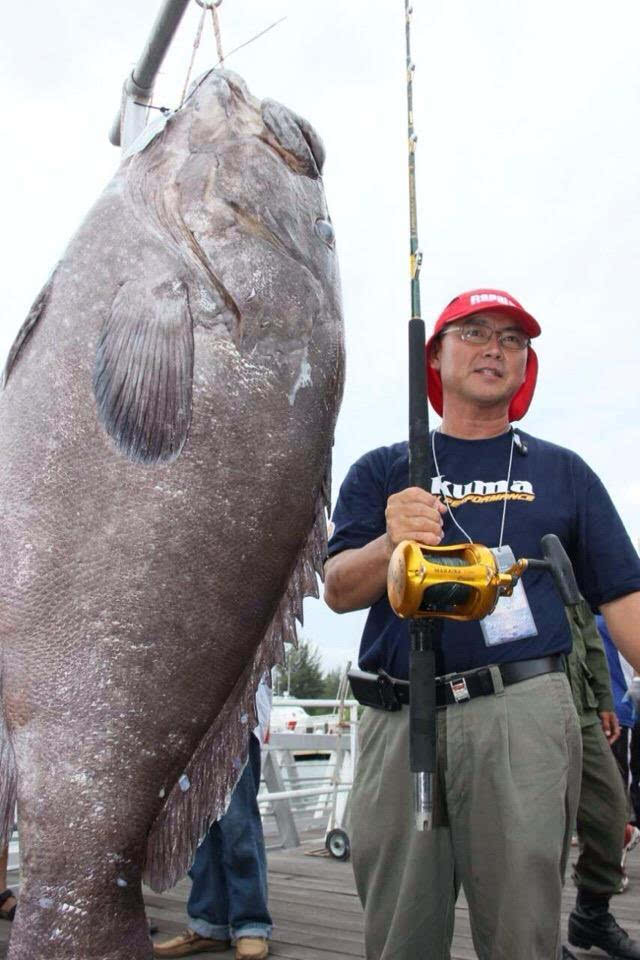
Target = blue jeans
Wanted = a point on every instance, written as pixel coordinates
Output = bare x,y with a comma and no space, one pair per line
229,893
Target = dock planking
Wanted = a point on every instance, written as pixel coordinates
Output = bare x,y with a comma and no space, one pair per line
317,914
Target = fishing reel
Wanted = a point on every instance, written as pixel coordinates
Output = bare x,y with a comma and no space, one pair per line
463,581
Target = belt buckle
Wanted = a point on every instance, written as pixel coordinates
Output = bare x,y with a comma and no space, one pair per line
459,689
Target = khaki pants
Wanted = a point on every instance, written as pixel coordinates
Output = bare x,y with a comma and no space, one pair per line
507,789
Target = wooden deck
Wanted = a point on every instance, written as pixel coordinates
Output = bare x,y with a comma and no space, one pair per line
317,914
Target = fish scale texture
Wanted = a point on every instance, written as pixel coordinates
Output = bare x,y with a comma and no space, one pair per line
166,426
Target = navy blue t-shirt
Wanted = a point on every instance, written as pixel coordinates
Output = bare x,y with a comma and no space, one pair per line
551,491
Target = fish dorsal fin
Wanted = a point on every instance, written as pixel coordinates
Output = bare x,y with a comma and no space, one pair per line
202,793
144,370
38,308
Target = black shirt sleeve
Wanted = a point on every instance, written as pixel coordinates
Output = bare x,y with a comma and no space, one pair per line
359,515
606,563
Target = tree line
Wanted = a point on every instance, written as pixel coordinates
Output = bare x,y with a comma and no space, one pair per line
302,675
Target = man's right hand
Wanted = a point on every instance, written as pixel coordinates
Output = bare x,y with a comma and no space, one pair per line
414,514
357,578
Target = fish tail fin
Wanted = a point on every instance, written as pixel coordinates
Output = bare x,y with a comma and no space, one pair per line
220,757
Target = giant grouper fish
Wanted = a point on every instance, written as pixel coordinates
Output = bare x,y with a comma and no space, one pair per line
165,433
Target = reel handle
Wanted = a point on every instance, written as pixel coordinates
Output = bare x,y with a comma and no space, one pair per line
560,567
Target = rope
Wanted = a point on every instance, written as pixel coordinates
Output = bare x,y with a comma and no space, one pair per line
216,30
196,44
213,6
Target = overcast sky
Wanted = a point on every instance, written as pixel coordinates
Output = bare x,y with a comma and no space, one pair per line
529,140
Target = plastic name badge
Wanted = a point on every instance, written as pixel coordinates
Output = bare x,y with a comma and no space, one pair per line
512,618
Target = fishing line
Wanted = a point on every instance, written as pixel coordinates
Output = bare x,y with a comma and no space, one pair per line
256,37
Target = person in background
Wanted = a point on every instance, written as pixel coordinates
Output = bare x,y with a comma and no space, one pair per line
8,900
634,752
621,682
228,899
603,805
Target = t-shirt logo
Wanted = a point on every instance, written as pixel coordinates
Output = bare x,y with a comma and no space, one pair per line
481,491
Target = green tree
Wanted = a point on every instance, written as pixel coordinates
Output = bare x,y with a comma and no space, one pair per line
331,682
303,670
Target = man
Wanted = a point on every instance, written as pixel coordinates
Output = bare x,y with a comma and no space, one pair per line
603,809
509,761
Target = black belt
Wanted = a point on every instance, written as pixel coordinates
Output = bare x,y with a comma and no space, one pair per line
388,693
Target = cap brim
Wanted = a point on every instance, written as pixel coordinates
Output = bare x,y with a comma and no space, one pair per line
530,326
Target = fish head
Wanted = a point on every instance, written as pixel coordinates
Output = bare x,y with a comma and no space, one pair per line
245,203
241,273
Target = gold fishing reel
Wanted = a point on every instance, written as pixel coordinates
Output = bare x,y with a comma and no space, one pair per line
458,582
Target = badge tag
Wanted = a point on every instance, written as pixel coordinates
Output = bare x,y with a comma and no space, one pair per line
512,618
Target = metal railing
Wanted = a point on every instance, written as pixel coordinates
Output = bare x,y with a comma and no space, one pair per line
287,787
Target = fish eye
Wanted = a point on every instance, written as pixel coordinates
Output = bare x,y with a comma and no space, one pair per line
325,231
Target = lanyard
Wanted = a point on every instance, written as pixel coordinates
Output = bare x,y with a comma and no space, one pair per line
506,493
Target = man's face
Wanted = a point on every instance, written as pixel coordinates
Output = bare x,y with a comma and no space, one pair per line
483,374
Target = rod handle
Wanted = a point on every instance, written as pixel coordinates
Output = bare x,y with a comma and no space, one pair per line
422,709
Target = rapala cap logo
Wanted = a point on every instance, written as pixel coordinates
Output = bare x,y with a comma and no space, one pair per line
491,298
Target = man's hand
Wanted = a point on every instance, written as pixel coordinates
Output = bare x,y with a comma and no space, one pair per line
610,725
355,579
414,514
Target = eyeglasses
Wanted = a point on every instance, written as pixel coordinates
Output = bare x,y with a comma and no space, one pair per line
481,333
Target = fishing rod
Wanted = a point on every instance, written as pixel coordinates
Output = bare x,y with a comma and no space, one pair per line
428,585
425,632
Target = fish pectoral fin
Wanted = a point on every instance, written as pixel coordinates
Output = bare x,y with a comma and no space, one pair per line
296,136
143,373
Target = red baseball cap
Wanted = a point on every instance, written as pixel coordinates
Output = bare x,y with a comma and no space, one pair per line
484,301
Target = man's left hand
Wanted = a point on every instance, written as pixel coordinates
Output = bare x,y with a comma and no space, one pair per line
610,725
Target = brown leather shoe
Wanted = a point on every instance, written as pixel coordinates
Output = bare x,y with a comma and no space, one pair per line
251,948
187,943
